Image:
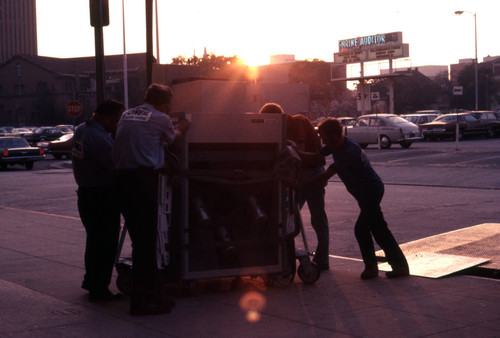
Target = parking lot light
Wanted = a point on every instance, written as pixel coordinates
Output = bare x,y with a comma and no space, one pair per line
475,48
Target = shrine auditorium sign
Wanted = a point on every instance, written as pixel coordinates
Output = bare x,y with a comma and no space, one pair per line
372,48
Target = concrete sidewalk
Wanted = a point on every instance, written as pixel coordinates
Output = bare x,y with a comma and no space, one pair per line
42,267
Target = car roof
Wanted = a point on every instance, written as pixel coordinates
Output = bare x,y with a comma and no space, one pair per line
428,111
378,115
420,114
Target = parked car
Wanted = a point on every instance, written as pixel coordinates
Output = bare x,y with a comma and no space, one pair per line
5,131
468,126
43,134
16,150
389,128
485,115
66,128
419,119
429,111
347,121
61,147
20,132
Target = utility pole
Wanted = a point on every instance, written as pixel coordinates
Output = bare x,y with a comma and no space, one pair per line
149,41
99,17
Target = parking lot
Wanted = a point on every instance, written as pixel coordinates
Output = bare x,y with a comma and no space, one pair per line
430,189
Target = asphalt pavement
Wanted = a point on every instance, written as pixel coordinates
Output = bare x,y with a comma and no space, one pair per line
41,269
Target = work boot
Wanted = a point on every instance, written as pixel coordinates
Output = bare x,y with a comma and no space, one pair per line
396,272
369,272
148,308
103,295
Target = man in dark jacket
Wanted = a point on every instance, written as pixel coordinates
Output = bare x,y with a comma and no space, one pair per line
363,183
92,158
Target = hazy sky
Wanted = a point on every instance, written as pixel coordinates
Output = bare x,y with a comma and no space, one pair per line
255,29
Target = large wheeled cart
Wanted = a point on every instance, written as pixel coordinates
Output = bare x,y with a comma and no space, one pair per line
225,212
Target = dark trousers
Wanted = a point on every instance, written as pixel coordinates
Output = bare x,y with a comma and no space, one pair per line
100,215
371,222
315,197
138,195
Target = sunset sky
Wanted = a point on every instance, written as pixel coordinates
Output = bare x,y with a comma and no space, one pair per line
254,30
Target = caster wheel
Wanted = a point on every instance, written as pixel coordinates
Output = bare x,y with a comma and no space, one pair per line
309,273
124,284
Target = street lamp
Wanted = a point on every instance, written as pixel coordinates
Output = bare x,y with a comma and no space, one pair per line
475,48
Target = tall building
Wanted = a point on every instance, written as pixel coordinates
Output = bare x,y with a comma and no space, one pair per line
17,28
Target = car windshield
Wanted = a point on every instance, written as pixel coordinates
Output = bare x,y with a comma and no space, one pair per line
397,120
13,143
412,119
451,117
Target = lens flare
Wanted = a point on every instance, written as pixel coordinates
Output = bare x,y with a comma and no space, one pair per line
252,303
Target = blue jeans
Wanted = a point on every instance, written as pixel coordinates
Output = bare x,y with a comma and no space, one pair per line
315,198
370,223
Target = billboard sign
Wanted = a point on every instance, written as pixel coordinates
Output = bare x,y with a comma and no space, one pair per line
384,53
349,57
391,52
371,41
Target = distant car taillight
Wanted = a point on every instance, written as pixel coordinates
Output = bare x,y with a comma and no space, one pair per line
42,151
5,152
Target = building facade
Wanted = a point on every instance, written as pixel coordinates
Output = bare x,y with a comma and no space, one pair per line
34,90
17,28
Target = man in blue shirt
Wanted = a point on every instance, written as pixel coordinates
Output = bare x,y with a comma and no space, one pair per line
143,132
92,158
363,183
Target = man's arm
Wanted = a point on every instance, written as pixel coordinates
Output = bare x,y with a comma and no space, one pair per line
310,160
320,178
180,129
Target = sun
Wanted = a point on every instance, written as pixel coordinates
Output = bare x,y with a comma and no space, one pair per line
254,59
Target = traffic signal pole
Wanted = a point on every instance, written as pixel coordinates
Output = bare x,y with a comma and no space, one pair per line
149,41
99,17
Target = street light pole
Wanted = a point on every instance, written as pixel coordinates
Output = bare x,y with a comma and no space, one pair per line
475,60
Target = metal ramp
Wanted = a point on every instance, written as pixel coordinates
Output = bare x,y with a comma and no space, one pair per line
473,250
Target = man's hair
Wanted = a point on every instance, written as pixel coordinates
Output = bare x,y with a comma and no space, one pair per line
271,108
331,126
109,108
158,94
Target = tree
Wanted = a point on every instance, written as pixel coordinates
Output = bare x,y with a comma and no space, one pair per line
217,67
487,88
413,92
317,74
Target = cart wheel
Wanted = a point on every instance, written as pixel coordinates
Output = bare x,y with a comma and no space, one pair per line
124,278
124,284
309,273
